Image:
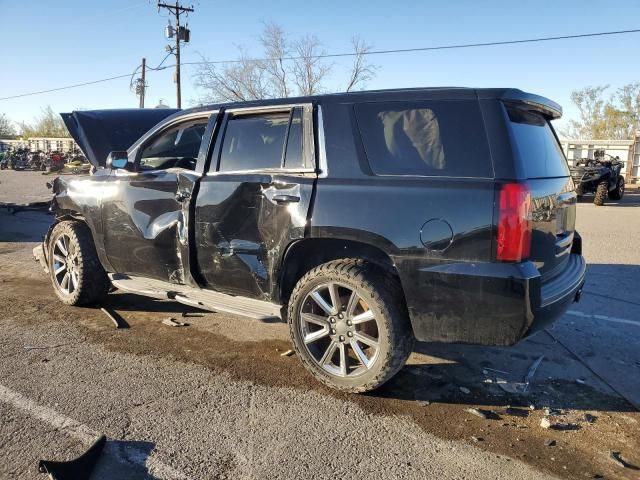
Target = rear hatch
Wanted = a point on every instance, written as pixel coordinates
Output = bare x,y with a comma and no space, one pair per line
553,197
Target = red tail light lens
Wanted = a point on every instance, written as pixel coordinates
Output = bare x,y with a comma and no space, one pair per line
514,223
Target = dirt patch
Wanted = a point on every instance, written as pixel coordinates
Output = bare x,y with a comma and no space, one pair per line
428,394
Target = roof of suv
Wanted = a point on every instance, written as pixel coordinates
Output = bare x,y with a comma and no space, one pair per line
425,93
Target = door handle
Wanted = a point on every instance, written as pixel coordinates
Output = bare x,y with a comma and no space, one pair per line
182,196
285,198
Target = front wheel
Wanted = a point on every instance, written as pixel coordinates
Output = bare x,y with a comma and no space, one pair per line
618,192
601,193
349,325
76,273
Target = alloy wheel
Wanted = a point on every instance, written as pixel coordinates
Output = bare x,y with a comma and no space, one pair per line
339,330
65,265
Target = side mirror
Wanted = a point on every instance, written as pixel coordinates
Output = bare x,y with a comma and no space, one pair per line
117,160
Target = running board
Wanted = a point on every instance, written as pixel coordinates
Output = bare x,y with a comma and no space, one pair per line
196,297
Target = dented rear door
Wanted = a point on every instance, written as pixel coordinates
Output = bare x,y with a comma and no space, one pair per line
254,201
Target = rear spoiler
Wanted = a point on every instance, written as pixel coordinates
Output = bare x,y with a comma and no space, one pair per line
548,107
98,132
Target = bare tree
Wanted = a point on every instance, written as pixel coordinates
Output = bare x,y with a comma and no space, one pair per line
309,69
285,68
235,82
361,70
276,48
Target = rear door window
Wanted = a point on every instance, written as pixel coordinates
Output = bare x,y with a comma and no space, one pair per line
254,142
536,144
432,138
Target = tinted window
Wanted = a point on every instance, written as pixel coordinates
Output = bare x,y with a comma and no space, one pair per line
176,147
294,157
254,142
425,138
536,144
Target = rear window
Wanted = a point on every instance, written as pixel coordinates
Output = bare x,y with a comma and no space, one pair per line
536,144
442,138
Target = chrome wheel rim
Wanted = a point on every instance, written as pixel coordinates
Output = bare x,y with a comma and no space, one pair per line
65,265
339,330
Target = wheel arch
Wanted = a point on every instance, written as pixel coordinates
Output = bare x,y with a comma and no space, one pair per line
306,254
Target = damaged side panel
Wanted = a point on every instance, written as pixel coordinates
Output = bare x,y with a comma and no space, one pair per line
81,198
242,229
143,223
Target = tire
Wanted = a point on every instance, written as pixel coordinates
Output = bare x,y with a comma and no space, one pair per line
87,282
601,193
378,312
618,192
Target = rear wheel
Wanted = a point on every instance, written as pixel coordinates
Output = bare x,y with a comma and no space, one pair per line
349,325
618,192
76,273
601,193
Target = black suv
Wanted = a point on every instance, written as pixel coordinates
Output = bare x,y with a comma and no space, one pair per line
364,220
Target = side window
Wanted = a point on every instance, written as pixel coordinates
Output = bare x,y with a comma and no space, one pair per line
176,147
254,142
439,137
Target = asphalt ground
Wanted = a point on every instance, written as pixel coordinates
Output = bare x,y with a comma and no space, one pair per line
216,399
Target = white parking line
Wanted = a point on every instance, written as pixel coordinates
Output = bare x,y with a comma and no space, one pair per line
86,435
575,313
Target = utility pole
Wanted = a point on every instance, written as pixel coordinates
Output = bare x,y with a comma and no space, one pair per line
143,85
181,33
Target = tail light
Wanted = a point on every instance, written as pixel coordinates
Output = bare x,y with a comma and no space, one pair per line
514,223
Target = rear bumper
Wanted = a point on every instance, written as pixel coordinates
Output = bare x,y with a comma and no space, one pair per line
488,303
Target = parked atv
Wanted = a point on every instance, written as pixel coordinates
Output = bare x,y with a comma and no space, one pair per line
600,176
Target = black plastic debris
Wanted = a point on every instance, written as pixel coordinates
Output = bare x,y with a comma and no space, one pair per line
78,469
117,320
618,460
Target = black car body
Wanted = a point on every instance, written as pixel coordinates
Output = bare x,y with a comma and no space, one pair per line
462,197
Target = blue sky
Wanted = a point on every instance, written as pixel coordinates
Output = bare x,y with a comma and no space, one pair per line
53,44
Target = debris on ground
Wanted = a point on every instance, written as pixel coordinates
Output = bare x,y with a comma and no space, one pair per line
465,390
545,423
580,381
288,353
424,403
172,322
517,412
477,439
566,426
476,412
618,460
117,320
520,387
589,418
78,469
550,443
552,412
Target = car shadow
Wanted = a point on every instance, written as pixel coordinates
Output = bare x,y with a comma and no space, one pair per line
132,302
23,226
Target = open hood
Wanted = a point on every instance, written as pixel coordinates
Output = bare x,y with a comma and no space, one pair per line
98,132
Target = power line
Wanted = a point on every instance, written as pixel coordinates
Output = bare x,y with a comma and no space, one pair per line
439,47
66,87
350,54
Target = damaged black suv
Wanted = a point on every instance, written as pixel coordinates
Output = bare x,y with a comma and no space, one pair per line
364,220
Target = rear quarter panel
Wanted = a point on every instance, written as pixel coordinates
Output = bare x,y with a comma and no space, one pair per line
446,286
